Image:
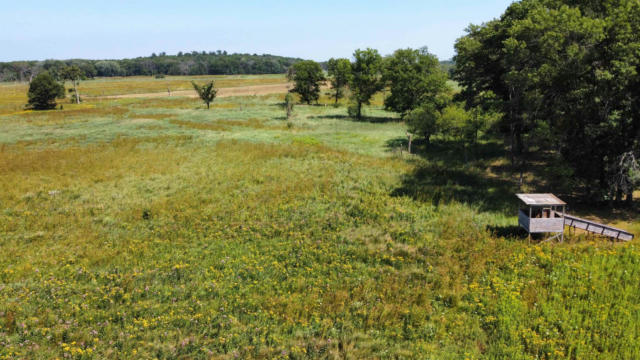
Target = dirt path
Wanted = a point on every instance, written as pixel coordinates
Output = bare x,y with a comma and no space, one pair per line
222,92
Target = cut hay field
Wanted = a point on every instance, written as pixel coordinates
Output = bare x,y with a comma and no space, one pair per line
14,95
152,228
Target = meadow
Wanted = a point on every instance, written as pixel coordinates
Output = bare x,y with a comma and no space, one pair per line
156,229
14,95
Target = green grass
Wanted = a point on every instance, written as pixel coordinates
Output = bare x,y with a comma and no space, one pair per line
153,228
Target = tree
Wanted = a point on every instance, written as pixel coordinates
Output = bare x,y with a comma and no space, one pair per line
73,74
307,76
206,92
366,72
423,121
43,92
339,71
413,77
288,105
566,66
108,68
626,175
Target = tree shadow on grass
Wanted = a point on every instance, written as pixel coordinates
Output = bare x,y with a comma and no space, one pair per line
508,232
447,174
368,119
399,142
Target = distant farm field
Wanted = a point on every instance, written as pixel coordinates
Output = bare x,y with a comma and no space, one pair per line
14,97
154,228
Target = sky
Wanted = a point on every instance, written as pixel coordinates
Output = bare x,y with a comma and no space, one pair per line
318,30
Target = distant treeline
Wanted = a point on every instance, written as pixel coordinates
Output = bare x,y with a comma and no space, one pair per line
191,63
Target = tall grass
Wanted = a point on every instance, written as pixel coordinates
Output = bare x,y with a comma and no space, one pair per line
151,228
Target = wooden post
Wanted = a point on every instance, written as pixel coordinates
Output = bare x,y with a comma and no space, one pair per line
529,231
562,237
410,136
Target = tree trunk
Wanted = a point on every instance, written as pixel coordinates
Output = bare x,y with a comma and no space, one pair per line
207,106
466,156
75,89
629,199
512,149
519,147
619,196
359,113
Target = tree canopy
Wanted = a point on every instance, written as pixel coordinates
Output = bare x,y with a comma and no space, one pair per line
189,63
43,92
366,73
564,74
339,71
414,77
73,73
307,76
206,92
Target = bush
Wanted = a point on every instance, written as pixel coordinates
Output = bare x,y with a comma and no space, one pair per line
288,104
423,121
43,92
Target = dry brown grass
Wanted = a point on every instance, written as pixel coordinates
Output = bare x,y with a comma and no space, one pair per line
200,126
13,96
148,84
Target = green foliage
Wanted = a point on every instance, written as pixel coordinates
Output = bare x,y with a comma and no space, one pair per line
339,71
191,63
109,68
206,92
74,74
288,104
524,61
454,121
43,92
423,121
307,76
366,73
414,77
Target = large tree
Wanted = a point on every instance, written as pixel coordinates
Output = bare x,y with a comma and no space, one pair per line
366,73
565,69
307,76
413,77
43,92
339,71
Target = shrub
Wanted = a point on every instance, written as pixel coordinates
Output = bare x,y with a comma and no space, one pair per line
288,104
43,92
206,92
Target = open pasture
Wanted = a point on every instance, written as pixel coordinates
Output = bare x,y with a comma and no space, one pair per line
153,228
14,95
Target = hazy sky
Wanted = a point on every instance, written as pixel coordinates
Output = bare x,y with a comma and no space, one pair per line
61,29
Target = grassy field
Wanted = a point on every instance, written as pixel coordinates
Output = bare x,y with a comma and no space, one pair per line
153,228
14,95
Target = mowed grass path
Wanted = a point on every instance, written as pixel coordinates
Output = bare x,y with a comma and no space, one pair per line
152,228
